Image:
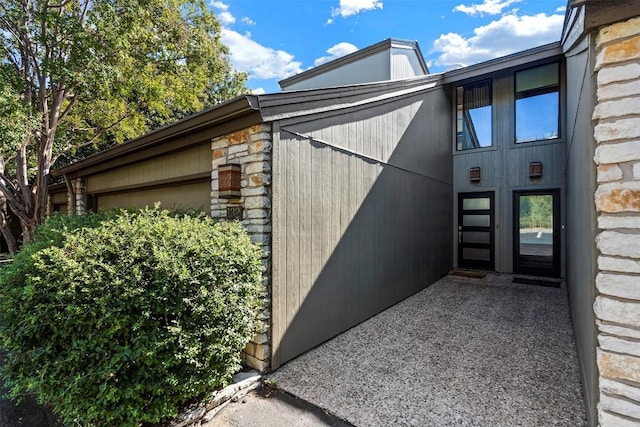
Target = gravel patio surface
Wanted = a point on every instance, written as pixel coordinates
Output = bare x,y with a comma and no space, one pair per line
465,352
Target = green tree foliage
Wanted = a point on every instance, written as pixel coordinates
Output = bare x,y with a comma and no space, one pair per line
536,211
120,319
76,73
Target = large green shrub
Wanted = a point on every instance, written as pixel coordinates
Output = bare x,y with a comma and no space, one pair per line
120,319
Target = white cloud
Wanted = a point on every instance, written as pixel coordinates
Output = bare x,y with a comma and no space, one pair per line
258,61
509,34
491,7
247,55
224,16
336,51
258,91
219,5
353,7
561,9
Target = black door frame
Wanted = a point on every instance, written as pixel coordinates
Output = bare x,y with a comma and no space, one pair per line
518,266
477,264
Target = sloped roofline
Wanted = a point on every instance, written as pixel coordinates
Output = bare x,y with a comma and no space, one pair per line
248,110
235,108
539,53
355,56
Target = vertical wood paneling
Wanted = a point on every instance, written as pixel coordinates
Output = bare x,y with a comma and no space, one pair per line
292,239
189,161
305,166
278,244
505,167
581,218
196,196
357,239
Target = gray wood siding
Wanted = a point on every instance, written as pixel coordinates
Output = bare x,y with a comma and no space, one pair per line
504,168
352,236
183,163
373,68
581,217
194,196
405,64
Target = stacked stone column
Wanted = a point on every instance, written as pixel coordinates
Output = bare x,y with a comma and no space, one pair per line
79,187
617,307
250,148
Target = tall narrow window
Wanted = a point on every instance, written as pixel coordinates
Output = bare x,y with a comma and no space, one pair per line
474,116
538,103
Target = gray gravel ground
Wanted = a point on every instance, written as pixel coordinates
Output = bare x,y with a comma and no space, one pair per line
464,352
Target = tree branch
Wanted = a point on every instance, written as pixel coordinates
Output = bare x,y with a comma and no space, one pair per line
60,6
16,206
72,100
101,132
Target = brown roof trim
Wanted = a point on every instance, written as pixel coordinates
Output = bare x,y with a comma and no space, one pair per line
58,188
235,108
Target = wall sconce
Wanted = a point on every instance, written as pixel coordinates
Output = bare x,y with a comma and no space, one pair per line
535,170
229,181
474,174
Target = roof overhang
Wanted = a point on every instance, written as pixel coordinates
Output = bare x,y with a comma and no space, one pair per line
583,16
209,123
537,54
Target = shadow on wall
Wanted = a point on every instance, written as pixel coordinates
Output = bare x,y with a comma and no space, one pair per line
397,241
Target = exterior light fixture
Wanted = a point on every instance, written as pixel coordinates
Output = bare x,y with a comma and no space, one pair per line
474,174
535,170
229,181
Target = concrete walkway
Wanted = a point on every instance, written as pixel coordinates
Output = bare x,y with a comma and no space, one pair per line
465,352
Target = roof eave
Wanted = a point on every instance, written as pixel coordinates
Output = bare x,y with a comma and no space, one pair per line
234,108
539,53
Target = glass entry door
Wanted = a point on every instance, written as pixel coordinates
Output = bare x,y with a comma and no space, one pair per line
476,230
537,233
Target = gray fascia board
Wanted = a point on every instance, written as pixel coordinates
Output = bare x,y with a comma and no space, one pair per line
352,57
311,101
547,51
236,107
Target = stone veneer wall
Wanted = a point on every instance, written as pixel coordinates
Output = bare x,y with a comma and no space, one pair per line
251,148
79,187
617,308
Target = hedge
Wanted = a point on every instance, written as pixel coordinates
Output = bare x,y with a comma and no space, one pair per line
119,319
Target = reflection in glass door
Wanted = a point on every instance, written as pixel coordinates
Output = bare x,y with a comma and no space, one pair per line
475,230
537,233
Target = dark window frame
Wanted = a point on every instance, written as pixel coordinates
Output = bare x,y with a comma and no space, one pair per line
458,133
543,90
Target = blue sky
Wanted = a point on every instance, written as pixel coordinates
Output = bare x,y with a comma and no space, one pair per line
274,39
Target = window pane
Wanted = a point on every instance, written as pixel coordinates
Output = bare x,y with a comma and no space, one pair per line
476,220
474,116
537,103
536,225
479,203
476,237
476,254
539,77
537,117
